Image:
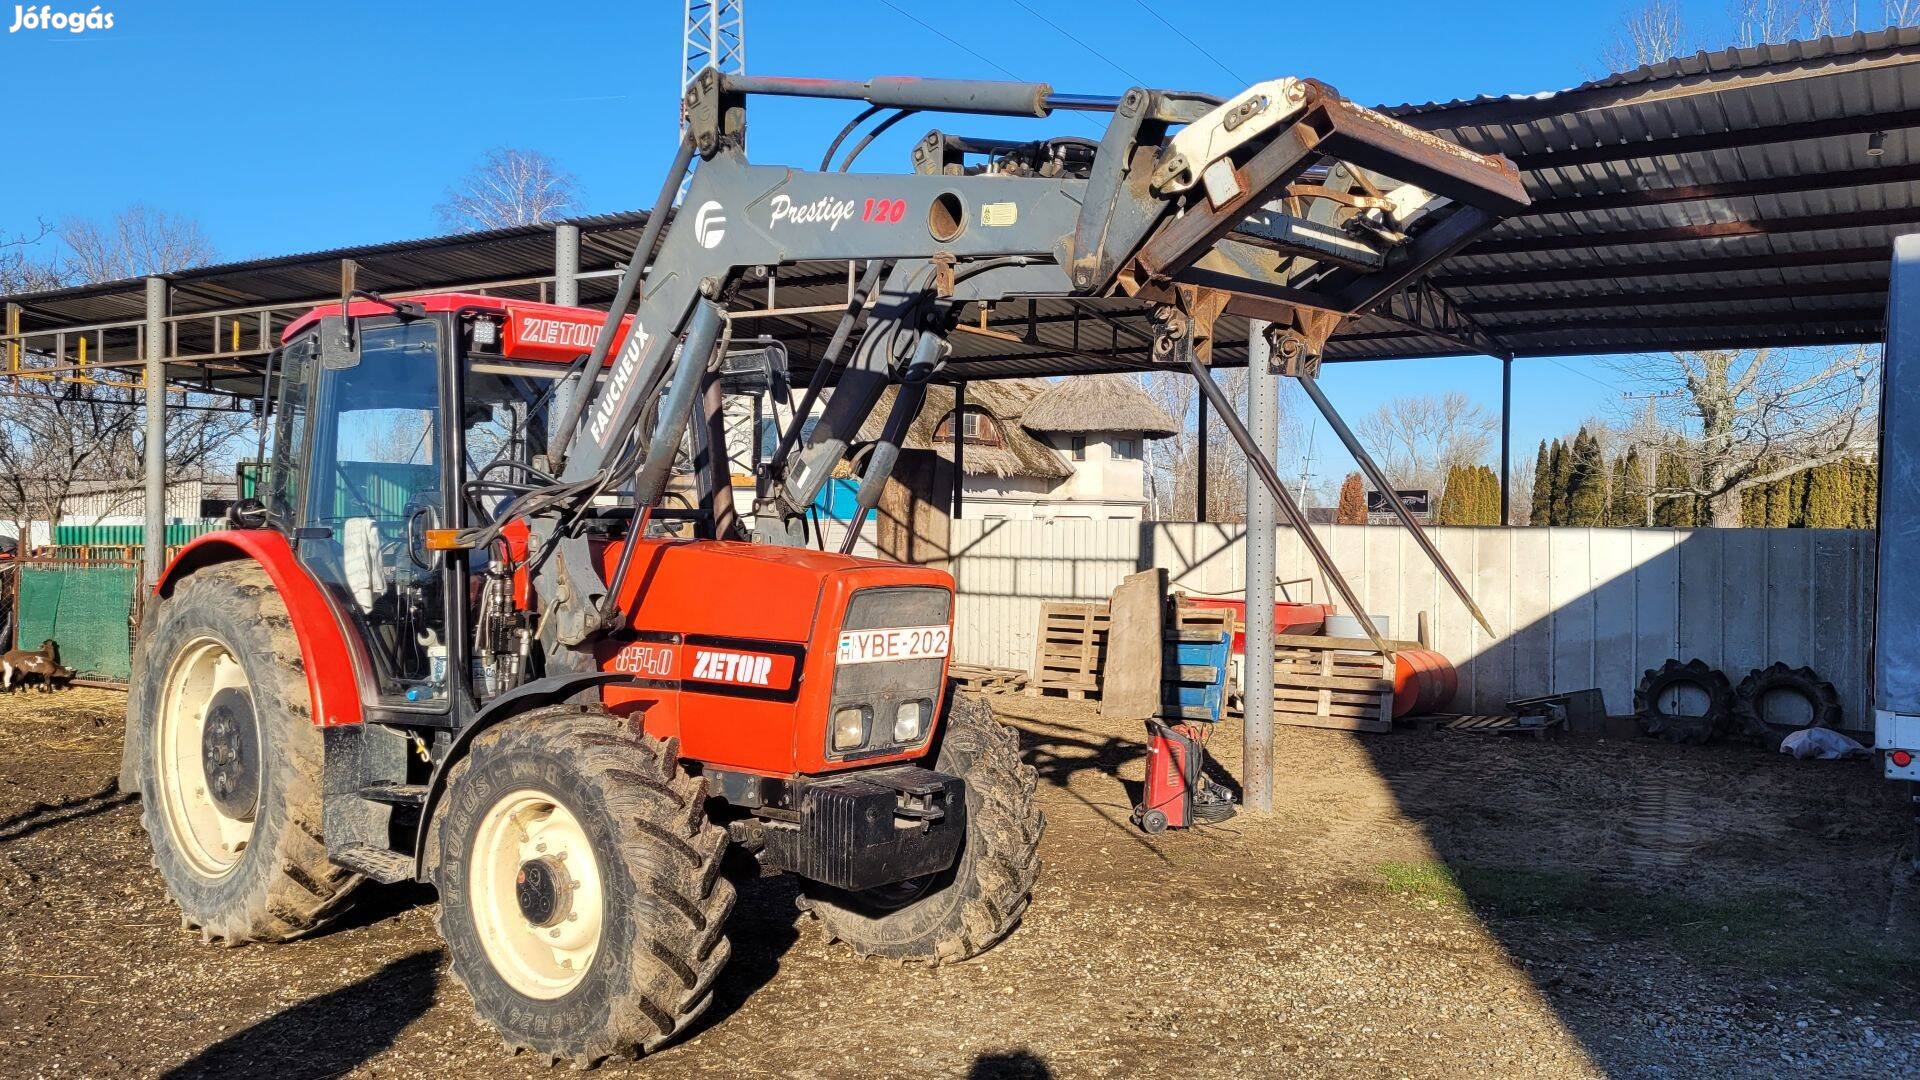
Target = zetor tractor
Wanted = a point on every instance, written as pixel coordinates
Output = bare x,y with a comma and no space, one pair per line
493,621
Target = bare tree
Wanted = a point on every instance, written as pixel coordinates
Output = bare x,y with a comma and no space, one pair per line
509,187
1648,34
20,270
62,437
60,440
1417,439
1174,463
135,242
1742,418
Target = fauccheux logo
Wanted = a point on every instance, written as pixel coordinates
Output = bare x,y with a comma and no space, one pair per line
46,18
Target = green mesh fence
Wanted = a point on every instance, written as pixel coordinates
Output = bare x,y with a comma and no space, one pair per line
84,608
129,535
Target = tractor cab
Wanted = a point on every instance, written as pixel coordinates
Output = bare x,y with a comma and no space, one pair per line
395,422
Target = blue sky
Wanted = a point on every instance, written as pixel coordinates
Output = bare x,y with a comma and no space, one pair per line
295,127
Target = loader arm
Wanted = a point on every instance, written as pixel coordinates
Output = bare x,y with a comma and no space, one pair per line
1285,203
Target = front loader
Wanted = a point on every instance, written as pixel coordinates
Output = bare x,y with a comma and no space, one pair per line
493,621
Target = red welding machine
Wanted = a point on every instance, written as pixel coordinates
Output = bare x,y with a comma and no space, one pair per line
1178,793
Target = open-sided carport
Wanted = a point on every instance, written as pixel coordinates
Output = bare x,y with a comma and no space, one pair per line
1741,198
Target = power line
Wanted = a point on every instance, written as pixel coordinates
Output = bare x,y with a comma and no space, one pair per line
1102,57
943,36
1196,45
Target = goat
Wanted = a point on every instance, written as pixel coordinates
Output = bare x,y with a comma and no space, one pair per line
43,663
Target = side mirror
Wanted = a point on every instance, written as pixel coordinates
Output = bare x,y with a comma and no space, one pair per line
247,514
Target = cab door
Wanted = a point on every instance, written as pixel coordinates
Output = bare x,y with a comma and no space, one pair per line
364,470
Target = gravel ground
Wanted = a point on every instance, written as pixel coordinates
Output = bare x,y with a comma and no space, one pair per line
1418,905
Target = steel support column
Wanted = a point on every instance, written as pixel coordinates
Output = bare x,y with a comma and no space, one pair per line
1200,467
566,265
154,537
1263,422
1506,440
566,293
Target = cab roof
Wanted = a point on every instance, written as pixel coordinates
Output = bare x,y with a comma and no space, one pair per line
530,330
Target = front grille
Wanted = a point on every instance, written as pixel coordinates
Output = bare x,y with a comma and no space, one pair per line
884,687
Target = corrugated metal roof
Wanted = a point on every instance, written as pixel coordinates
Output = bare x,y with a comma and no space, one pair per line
1723,199
1727,198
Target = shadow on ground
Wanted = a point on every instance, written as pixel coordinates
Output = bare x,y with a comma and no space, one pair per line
312,1037
46,815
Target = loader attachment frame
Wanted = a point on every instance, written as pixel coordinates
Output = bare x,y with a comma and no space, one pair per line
1285,203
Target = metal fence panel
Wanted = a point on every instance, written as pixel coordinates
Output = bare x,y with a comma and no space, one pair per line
87,609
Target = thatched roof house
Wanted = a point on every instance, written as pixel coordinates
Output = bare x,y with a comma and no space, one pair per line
1087,404
1006,448
1023,413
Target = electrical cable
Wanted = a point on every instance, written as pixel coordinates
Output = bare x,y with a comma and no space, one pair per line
1102,57
1237,77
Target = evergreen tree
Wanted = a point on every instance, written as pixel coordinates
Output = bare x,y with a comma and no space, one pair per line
1628,506
1830,496
1454,499
1586,483
1557,487
1869,495
1489,496
1780,511
1670,510
1542,508
1353,502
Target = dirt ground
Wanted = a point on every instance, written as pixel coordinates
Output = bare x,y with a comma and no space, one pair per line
1419,905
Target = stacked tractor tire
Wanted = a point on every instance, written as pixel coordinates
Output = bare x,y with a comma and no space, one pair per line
1692,703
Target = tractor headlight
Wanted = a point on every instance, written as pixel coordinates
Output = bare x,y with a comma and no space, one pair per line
910,721
850,727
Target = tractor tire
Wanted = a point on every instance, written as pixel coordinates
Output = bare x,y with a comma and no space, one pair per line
1685,728
965,910
228,760
581,900
1823,702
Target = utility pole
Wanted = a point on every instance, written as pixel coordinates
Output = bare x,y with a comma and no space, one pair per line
716,37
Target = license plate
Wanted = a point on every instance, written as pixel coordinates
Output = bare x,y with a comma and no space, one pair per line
893,643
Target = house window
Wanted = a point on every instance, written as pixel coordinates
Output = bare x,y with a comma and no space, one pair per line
1077,447
975,427
1126,449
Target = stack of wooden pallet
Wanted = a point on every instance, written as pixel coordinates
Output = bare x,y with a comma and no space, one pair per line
1069,649
1332,682
987,680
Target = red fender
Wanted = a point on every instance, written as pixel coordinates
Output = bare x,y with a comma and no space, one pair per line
324,649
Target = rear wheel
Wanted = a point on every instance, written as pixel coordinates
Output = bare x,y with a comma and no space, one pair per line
580,891
229,762
965,910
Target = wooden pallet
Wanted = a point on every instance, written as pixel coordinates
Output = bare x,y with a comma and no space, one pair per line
1326,682
1069,649
1498,724
988,680
1201,624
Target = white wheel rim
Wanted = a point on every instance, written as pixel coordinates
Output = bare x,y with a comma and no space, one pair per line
211,842
540,961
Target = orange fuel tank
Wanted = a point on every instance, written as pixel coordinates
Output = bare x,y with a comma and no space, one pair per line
1423,682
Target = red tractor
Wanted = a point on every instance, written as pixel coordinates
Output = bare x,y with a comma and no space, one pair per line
492,623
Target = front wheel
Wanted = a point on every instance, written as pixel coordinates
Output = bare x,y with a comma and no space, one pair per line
229,762
965,910
580,892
